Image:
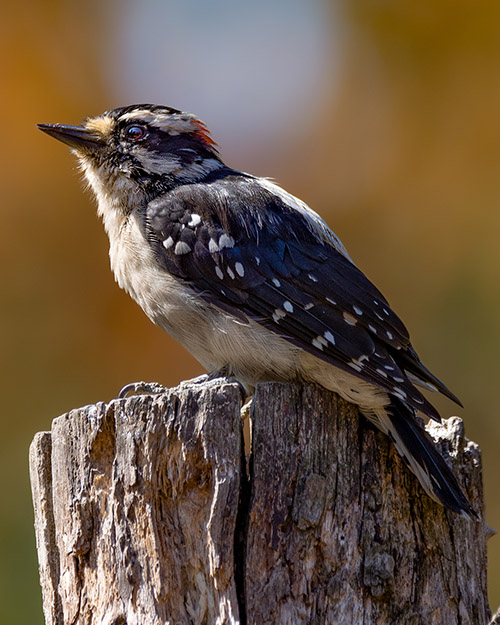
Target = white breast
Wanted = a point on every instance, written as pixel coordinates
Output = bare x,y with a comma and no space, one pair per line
216,339
213,337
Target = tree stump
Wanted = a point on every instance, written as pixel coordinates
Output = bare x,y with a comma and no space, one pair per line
147,512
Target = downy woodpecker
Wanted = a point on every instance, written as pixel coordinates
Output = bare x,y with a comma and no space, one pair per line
249,279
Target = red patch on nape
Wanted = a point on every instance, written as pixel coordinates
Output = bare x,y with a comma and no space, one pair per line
203,133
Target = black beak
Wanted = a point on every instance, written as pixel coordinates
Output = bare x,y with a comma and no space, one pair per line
75,136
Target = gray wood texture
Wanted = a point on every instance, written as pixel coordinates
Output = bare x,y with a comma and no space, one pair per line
148,512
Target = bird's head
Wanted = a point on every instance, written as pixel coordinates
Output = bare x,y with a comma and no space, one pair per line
139,150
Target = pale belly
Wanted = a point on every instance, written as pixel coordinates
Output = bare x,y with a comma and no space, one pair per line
249,351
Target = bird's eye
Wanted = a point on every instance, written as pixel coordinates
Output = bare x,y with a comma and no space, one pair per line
135,132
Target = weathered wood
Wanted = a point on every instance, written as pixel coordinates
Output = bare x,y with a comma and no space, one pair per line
145,497
349,536
144,514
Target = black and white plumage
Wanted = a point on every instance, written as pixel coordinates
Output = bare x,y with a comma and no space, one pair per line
249,279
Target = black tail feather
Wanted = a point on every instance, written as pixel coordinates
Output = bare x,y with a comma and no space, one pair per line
420,452
410,362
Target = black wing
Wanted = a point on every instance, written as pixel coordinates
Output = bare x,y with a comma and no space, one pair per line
250,253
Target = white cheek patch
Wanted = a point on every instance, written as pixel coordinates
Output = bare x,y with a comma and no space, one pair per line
157,163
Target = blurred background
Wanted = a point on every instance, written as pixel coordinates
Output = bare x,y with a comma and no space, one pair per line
383,116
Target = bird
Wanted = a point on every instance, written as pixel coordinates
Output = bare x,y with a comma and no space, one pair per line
251,280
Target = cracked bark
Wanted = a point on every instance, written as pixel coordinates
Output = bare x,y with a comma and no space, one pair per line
144,514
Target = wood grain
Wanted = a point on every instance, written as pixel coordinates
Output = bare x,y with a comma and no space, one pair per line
147,511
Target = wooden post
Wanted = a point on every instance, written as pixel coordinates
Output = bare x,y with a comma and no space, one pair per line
146,512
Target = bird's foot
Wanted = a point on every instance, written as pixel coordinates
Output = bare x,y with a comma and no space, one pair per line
142,388
199,379
154,388
219,376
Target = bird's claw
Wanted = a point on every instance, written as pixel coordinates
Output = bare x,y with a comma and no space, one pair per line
154,388
142,388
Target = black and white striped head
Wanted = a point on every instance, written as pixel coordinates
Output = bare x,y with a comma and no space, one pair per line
139,149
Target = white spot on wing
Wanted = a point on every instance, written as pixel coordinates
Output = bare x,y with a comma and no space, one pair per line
195,220
219,273
354,366
357,310
329,337
276,282
288,306
167,244
389,335
181,248
331,301
230,273
372,329
213,247
382,373
225,241
239,269
348,318
319,342
278,314
312,278
399,393
308,306
257,260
